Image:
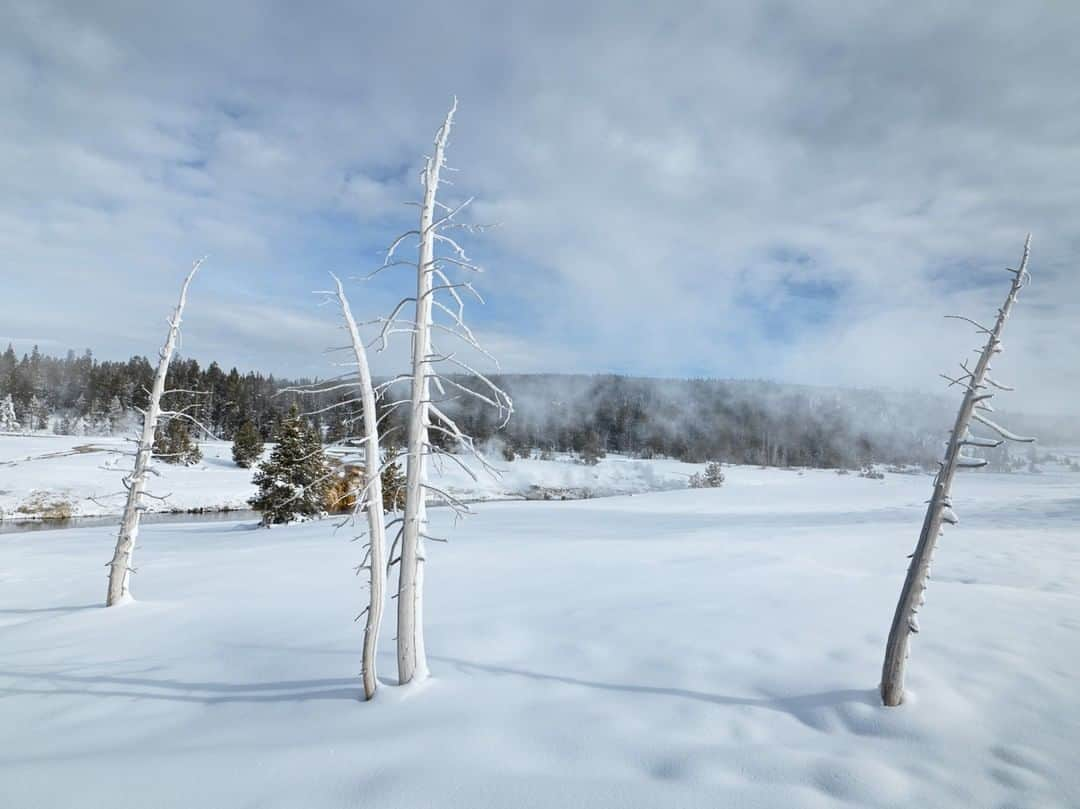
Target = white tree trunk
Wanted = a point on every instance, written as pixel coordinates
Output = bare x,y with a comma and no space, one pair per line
939,511
371,501
412,659
120,567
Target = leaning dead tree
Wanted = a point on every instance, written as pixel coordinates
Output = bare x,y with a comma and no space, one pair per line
369,499
120,569
438,308
977,386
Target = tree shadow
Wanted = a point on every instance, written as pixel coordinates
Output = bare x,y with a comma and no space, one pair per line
201,692
806,708
812,710
44,610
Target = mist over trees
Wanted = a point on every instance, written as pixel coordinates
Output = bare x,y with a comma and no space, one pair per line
694,420
698,420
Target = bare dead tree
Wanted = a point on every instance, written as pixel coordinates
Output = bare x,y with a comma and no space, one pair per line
370,499
120,568
439,255
976,384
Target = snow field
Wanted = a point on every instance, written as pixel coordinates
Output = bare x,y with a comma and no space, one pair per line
687,648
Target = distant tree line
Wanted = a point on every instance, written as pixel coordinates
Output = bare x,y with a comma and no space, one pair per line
81,395
693,420
699,420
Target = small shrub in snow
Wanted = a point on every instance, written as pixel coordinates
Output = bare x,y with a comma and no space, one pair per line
870,473
592,451
343,488
711,478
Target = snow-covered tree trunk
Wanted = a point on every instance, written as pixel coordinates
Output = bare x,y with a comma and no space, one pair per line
412,658
939,511
371,500
120,567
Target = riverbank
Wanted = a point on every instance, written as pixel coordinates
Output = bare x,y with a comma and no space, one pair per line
58,478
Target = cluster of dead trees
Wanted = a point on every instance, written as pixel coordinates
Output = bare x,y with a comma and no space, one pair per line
441,270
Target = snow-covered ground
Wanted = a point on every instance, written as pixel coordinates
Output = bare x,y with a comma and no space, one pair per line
47,475
695,648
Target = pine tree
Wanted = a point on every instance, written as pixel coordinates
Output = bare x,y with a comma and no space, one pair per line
97,419
8,422
247,446
116,415
173,444
293,480
593,450
393,483
712,478
35,414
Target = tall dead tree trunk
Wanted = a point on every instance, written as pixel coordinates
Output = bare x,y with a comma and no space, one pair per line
371,500
120,569
424,414
412,657
939,511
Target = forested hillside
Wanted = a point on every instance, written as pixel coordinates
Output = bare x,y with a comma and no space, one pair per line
694,420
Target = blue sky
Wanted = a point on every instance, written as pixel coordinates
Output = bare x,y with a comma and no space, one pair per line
792,190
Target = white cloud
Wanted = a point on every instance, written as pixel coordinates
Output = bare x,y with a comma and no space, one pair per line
794,189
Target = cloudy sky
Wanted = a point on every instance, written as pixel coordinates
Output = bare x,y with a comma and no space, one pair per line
787,190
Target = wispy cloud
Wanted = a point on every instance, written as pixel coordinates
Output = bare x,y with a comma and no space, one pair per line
793,189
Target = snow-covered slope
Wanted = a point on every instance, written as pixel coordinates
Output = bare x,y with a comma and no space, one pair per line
683,649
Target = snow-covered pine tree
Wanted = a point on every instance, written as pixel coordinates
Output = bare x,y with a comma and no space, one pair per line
35,413
714,474
711,478
116,415
8,422
247,446
98,419
173,444
293,480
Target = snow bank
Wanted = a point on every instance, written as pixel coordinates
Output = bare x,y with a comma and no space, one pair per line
577,660
43,474
56,476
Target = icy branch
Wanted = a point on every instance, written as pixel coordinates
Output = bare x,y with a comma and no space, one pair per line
997,428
